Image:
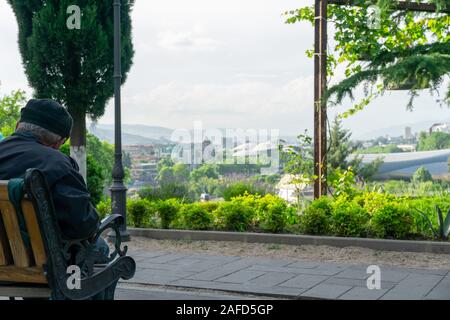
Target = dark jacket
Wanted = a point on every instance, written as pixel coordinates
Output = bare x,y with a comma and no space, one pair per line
76,216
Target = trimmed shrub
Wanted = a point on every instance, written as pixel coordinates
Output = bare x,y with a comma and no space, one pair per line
373,201
104,208
234,215
349,219
391,221
272,213
209,206
167,211
315,221
195,217
324,203
141,212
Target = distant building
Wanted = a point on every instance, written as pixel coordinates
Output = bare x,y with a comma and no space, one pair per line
408,133
404,164
289,190
440,127
407,147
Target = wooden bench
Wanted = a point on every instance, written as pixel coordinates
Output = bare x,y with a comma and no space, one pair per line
42,270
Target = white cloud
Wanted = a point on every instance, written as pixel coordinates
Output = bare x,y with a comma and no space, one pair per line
194,40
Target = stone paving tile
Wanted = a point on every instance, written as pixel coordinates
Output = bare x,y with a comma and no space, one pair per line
222,271
269,262
154,276
208,256
441,291
304,281
438,272
357,282
360,293
303,264
272,278
326,291
325,270
240,276
146,254
149,278
166,258
414,286
244,288
196,264
360,272
162,266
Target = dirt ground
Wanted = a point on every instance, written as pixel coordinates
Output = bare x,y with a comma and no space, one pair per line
351,255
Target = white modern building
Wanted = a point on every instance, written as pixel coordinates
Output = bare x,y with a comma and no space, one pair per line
404,164
440,127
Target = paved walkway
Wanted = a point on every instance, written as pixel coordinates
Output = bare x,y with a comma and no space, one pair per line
283,278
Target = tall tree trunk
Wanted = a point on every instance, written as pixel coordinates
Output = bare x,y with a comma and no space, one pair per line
78,141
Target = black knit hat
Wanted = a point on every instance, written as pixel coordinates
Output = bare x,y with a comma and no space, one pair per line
48,114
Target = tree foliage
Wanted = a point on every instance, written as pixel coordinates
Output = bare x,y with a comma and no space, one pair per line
10,106
422,175
433,141
407,50
72,66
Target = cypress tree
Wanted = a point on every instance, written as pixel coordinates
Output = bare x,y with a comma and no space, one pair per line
73,66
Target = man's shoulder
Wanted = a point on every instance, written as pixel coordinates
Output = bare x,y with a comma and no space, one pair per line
61,158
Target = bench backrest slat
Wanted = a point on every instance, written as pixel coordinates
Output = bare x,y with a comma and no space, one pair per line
18,249
37,245
5,252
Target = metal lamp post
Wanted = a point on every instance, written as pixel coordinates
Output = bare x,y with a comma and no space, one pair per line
118,189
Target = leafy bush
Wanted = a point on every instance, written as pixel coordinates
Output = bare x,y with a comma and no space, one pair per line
167,211
315,220
209,206
240,189
426,206
372,201
349,219
141,212
234,215
324,203
422,175
391,220
195,217
104,208
167,191
272,213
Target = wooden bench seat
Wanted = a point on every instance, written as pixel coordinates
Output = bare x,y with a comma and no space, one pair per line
41,269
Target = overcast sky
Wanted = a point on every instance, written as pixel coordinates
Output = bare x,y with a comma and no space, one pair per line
230,64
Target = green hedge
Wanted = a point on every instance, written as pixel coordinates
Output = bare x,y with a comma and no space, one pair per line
370,214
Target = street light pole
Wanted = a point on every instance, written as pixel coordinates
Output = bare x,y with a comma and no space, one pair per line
118,189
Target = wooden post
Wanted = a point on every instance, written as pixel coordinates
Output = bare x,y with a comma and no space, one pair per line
320,107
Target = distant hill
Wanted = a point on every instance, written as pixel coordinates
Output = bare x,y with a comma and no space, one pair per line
152,132
127,138
143,134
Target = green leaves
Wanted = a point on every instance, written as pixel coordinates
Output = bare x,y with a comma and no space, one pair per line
409,50
443,229
444,224
74,67
10,111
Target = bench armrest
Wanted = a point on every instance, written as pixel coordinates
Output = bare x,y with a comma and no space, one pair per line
111,219
113,222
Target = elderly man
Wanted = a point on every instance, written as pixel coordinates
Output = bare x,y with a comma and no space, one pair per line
43,128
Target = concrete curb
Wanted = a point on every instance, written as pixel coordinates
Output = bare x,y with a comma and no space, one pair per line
377,244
